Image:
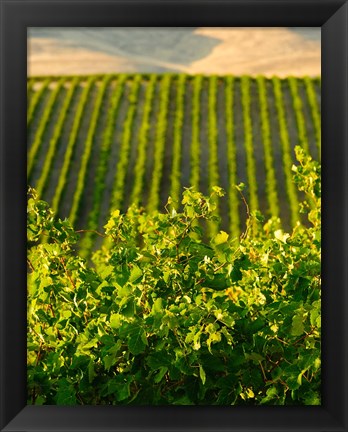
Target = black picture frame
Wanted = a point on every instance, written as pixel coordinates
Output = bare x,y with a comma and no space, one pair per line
16,16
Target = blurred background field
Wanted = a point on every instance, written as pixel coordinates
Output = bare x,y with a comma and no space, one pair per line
207,50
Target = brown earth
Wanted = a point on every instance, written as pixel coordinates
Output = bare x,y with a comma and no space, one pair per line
269,51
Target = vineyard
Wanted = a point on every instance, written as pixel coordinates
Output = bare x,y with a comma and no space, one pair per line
209,297
100,143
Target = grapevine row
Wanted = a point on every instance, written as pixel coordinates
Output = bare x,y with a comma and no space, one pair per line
52,147
234,219
82,175
71,144
177,140
248,141
107,139
30,85
143,137
34,101
286,150
213,146
298,109
160,142
271,182
42,125
195,140
314,111
121,169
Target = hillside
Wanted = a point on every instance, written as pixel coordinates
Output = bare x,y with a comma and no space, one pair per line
280,51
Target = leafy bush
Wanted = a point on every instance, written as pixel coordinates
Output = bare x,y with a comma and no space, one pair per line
165,318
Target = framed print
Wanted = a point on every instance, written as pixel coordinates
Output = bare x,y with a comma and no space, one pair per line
159,321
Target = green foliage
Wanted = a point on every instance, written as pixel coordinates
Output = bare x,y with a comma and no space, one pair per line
85,158
34,101
298,111
166,318
143,140
175,177
195,149
248,140
128,130
71,144
57,135
213,167
314,110
43,124
271,182
159,144
234,219
88,239
286,150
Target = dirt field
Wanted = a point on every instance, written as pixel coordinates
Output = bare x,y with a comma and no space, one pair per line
267,51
